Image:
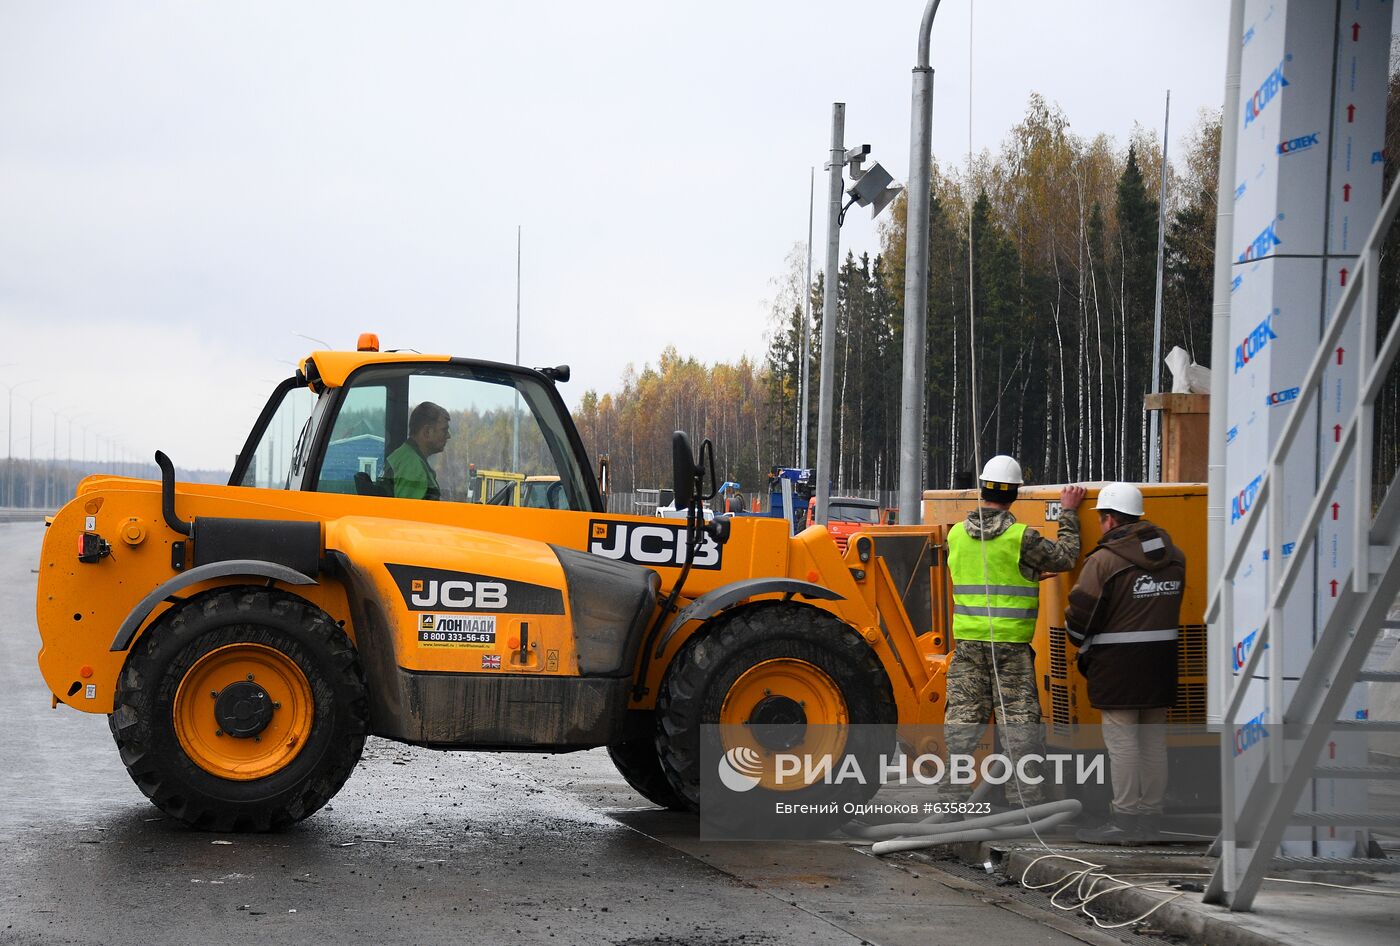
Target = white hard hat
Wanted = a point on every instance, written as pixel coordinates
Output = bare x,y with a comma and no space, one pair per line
1001,470
1121,497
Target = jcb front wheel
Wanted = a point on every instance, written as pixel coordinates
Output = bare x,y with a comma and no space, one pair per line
639,762
768,679
243,710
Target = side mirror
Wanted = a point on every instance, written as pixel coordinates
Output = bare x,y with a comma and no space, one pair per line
684,469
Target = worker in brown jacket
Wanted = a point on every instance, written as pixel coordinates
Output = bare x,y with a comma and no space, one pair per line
1123,615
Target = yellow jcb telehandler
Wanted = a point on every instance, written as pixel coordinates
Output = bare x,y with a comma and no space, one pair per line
245,639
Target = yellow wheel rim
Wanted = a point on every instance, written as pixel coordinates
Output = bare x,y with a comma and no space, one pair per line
786,689
243,711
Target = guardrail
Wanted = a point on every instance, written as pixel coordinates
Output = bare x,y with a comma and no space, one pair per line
21,514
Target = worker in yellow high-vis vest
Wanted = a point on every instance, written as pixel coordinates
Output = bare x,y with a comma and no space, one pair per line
995,565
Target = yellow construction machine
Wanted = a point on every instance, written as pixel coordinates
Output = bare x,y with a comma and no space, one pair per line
245,639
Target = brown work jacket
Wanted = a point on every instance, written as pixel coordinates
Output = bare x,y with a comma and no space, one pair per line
1124,614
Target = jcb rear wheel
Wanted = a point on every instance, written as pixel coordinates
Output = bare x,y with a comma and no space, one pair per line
774,676
243,710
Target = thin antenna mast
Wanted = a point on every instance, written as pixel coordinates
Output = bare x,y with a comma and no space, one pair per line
515,428
1154,475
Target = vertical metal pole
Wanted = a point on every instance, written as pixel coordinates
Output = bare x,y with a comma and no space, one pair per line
1219,358
916,236
807,325
1154,473
833,263
515,428
1361,501
1275,637
53,462
29,493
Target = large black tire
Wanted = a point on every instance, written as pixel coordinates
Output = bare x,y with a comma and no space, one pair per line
291,632
702,674
639,761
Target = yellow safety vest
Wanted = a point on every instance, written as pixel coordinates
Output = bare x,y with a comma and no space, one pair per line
996,604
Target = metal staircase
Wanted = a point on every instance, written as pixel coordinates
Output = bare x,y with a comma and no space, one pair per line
1257,811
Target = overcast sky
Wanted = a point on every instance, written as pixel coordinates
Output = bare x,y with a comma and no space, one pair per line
185,187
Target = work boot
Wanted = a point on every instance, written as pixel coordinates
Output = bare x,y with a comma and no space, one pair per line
1149,829
1119,829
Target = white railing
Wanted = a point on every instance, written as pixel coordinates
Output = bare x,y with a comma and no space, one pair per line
1359,301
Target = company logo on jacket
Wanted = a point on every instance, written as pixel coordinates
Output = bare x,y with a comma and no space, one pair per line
1148,587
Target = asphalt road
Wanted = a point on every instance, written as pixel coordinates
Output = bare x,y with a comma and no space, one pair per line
419,847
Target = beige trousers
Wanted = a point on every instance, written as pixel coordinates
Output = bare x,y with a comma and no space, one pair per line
1137,759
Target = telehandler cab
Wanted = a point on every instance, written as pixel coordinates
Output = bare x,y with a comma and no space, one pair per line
245,639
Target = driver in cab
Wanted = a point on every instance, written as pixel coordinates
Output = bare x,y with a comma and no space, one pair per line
406,470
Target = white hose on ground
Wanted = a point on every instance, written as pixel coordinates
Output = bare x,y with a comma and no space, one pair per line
1016,817
958,833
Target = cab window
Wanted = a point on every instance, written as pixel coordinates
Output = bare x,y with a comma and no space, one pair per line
277,456
851,512
453,433
355,452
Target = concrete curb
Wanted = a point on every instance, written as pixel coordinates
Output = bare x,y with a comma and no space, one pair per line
1193,921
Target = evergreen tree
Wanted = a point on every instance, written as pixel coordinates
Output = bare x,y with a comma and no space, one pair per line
1137,228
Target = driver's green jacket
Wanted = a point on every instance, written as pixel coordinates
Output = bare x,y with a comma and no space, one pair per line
408,472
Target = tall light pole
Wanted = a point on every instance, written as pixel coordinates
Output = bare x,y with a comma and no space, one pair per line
1154,475
29,499
70,420
807,326
515,427
833,260
911,407
871,189
68,468
53,458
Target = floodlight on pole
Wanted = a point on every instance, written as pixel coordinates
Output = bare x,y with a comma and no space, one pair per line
872,188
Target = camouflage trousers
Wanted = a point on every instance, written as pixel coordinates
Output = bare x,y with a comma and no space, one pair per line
973,700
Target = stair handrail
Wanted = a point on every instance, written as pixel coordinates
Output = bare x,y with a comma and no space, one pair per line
1370,376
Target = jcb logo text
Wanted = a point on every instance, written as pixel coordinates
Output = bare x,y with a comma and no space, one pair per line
649,544
483,595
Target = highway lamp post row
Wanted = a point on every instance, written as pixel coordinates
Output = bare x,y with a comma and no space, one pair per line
69,466
10,439
29,499
871,188
49,483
